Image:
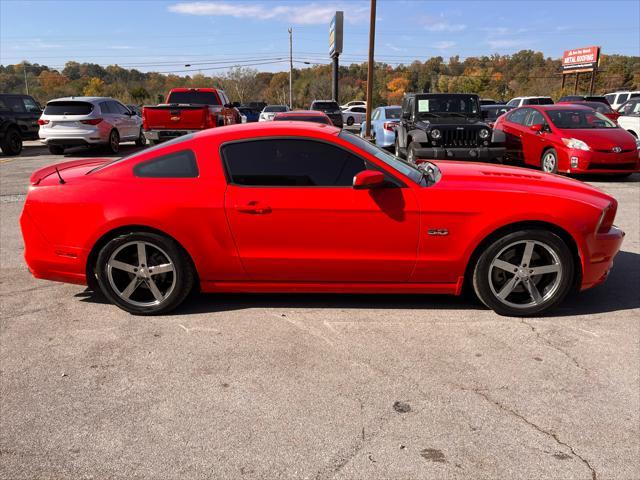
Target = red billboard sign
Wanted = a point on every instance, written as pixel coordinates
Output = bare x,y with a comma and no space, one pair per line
580,59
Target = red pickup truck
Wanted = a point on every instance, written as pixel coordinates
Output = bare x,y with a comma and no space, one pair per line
187,110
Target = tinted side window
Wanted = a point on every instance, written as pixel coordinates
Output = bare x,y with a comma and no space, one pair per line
116,108
535,118
513,103
545,101
623,97
30,105
15,104
518,116
290,163
105,108
173,165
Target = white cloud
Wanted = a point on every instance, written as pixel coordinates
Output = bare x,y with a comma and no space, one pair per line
504,43
391,46
309,14
441,24
444,45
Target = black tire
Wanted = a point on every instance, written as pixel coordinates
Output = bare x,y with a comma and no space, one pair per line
173,286
549,161
56,149
397,151
113,146
141,141
350,121
411,152
520,301
12,143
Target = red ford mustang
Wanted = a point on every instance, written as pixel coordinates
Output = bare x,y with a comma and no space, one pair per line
301,207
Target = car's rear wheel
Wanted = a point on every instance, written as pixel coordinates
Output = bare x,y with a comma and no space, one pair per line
141,141
350,121
524,273
56,149
12,143
549,161
144,273
114,141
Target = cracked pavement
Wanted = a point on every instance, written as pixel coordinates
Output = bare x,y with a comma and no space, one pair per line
315,386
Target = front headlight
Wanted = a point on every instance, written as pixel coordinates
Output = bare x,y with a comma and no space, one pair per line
575,144
484,133
436,134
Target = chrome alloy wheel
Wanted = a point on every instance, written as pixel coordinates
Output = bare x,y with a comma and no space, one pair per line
549,162
141,273
525,273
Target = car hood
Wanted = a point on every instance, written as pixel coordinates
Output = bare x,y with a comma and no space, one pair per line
450,121
603,139
482,176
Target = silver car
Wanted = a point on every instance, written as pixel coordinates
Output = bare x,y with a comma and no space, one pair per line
270,111
88,121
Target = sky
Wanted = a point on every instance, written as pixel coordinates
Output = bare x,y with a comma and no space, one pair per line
211,36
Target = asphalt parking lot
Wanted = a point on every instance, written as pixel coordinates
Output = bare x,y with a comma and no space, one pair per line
315,386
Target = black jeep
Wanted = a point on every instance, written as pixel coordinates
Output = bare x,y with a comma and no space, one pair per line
445,126
19,116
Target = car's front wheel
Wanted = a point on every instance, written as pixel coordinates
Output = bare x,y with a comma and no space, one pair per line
549,162
12,143
141,141
397,151
144,273
350,121
411,153
524,273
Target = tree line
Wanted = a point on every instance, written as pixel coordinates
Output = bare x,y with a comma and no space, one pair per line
497,76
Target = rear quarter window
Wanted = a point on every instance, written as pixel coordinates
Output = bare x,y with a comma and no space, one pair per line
180,164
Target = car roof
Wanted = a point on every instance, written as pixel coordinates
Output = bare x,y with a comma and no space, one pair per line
534,96
81,99
301,113
193,89
278,129
559,106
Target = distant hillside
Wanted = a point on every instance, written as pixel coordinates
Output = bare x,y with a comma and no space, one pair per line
498,76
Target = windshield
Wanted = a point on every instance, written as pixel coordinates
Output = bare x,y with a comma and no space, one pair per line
410,171
443,105
494,113
325,106
393,113
197,98
275,108
579,119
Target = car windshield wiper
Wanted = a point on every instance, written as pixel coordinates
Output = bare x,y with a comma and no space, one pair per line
430,114
457,114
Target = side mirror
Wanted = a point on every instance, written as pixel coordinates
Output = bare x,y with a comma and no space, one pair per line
367,179
538,127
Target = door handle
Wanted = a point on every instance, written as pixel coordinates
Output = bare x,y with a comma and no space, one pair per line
255,208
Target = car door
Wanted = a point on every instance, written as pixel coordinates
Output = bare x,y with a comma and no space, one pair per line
123,120
295,216
512,128
34,111
23,118
534,143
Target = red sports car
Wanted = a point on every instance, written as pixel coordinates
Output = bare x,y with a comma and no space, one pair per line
302,207
568,138
314,116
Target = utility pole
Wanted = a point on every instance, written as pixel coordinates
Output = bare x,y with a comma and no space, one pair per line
26,84
372,40
290,68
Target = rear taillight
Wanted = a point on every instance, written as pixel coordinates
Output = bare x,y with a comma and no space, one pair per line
93,121
42,122
211,119
607,217
389,126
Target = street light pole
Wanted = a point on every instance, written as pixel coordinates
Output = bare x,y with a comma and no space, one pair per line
372,40
26,84
290,68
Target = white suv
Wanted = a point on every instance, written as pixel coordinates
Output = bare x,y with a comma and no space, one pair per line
520,101
629,118
88,121
616,99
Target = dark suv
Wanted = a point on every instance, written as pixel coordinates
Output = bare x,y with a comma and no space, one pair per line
19,116
330,108
445,126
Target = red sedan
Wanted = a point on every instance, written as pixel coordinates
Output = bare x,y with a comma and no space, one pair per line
294,207
314,116
568,138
